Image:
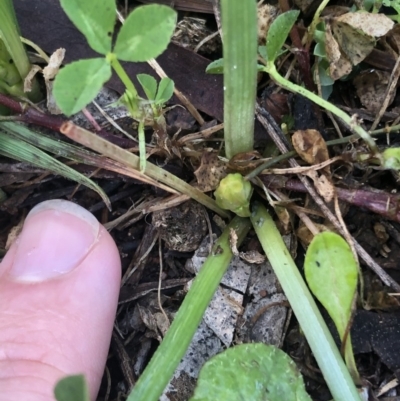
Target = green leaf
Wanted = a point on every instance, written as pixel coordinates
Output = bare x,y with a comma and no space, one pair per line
165,90
72,388
95,19
256,372
331,273
262,51
234,193
149,85
22,151
216,67
145,33
278,33
391,158
78,83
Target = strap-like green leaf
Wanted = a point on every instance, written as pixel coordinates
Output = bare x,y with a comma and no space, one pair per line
95,19
22,151
145,33
278,33
78,83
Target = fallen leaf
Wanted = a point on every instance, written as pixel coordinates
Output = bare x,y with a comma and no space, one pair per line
371,88
266,14
323,185
340,65
353,35
311,147
210,171
375,25
252,257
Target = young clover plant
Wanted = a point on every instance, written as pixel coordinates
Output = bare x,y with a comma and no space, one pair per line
144,36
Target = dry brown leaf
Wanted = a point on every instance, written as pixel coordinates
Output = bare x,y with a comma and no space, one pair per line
306,236
284,218
375,25
210,172
266,15
14,233
371,88
245,162
354,44
340,65
311,147
323,185
252,257
353,35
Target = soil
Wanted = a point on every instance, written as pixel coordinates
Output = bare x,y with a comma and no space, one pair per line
367,200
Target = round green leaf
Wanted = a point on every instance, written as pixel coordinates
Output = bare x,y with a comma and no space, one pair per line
165,90
278,33
72,388
95,19
216,67
78,83
256,372
331,273
149,85
391,158
145,33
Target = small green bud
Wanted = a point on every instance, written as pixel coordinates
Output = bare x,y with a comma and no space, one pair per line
234,193
391,158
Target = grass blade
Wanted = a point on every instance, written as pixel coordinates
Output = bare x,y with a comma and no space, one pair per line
239,29
304,307
18,150
179,335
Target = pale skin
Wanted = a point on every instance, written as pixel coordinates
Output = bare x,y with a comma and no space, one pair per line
59,286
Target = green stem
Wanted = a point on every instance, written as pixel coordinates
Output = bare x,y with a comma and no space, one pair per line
106,148
240,73
162,366
112,59
315,21
9,33
340,141
304,307
353,125
350,362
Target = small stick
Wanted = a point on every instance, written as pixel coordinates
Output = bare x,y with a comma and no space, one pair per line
267,121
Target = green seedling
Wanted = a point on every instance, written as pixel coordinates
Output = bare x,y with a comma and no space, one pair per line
249,372
14,62
144,36
72,388
395,4
234,194
332,274
276,38
149,112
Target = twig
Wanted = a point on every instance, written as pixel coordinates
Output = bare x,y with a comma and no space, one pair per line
267,121
391,88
